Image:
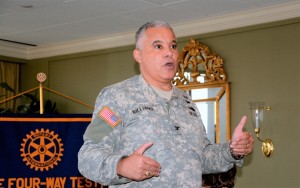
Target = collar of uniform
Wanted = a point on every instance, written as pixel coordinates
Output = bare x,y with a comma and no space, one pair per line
151,94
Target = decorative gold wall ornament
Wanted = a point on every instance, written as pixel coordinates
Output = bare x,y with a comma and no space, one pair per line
197,59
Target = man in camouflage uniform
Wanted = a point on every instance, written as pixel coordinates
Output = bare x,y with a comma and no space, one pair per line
145,132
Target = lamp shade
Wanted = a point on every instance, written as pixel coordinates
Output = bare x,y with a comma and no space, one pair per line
257,114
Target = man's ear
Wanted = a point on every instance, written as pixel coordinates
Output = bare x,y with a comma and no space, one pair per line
137,54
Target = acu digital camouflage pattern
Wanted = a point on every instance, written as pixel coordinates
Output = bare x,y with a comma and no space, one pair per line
175,126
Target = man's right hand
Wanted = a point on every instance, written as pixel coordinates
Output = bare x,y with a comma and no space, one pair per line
137,166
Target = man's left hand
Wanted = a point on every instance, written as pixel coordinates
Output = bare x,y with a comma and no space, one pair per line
241,142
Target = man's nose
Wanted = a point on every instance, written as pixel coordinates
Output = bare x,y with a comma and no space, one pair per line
168,52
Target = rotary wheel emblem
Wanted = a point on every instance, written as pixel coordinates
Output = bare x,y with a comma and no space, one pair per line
41,149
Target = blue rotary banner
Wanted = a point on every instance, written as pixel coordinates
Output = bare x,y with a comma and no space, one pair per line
41,151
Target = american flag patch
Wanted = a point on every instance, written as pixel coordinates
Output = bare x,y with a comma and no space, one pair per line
111,118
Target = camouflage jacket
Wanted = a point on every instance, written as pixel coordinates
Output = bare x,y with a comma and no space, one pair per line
139,115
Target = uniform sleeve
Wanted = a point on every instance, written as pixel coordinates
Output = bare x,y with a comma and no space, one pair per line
217,158
97,158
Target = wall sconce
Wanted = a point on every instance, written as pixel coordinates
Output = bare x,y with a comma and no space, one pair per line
257,112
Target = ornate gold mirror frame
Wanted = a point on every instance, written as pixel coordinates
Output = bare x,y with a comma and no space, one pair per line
202,75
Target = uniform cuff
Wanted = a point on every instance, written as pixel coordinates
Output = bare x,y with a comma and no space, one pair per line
119,179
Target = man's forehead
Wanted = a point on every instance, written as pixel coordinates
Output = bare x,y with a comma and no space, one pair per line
160,34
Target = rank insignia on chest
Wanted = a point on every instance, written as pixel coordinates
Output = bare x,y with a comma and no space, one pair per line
109,116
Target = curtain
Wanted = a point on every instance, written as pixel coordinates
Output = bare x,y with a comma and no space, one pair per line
9,73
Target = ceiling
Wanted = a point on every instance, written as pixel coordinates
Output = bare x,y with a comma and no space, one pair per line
31,29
